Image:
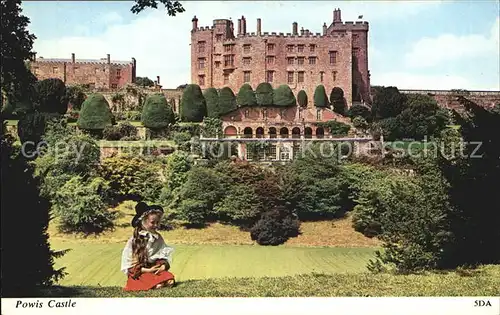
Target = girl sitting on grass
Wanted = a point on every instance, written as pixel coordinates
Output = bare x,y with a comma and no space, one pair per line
146,258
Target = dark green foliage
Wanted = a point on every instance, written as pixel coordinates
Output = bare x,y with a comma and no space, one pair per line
336,128
51,96
388,102
21,202
320,98
275,227
264,94
246,96
182,140
227,101
283,96
212,98
31,127
76,96
193,105
171,6
360,110
338,101
360,123
121,131
212,127
302,98
144,81
156,113
95,113
194,129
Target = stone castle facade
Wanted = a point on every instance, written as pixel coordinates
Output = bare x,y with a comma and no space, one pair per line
102,74
337,57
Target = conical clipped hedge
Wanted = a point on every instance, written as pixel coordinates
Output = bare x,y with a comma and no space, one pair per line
156,113
246,96
337,100
320,98
95,113
264,94
193,105
302,98
283,96
227,101
212,99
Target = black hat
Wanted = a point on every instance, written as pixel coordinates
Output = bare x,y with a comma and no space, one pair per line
142,208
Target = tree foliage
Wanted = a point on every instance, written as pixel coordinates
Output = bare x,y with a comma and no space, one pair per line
51,96
338,101
144,82
157,113
283,96
172,7
212,98
76,96
193,105
227,101
95,113
388,102
302,98
264,94
246,96
320,98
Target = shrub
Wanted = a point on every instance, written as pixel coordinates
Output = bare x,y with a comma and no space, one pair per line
212,98
360,123
241,205
302,98
193,105
76,96
336,128
95,113
337,100
183,141
275,227
246,96
264,94
51,96
359,110
320,98
31,127
156,113
227,101
111,133
283,96
80,206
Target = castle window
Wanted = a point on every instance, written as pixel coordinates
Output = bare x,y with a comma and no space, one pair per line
246,76
270,59
321,76
114,86
290,77
318,114
290,60
355,52
333,57
229,61
246,48
246,113
201,80
312,48
269,76
55,70
312,60
300,77
118,72
201,63
228,48
289,48
334,74
201,47
218,37
246,61
270,47
355,36
226,78
300,60
300,48
217,64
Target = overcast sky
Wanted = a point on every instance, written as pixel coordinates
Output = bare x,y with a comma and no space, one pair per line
413,45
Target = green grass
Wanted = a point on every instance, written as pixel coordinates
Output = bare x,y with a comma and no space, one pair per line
483,282
99,264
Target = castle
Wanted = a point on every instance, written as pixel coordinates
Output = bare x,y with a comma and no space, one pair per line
104,73
337,57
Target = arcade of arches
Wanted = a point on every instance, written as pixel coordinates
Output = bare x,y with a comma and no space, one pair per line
275,132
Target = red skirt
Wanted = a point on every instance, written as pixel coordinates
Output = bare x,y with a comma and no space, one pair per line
148,281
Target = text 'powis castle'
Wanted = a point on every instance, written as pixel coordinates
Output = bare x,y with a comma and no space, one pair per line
337,57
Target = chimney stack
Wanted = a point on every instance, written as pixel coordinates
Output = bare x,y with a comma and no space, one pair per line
295,28
302,31
259,26
158,79
239,26
324,28
243,25
73,57
195,23
336,16
134,73
109,59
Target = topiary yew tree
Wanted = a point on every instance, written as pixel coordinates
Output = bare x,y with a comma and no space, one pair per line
193,105
302,98
212,99
51,96
337,100
264,94
320,98
227,101
95,113
246,96
156,113
283,96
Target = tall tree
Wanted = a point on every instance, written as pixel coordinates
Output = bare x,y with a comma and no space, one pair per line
172,7
388,102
